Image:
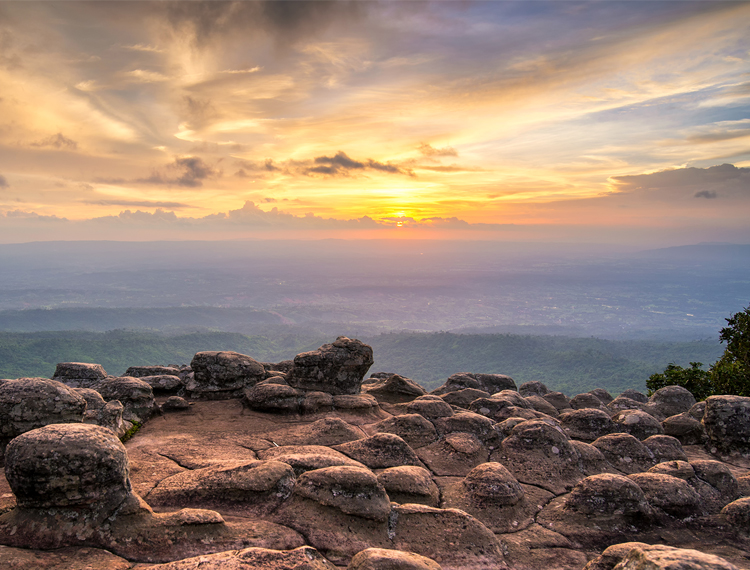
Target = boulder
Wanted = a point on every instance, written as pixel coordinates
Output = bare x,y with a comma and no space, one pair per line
559,400
679,469
163,383
727,424
325,431
537,453
275,398
719,476
491,383
79,374
380,451
454,455
665,448
625,453
582,401
637,423
304,458
414,429
468,422
30,403
136,396
430,407
622,403
175,404
219,375
336,368
533,388
672,400
541,405
464,397
94,400
385,559
395,389
635,395
737,513
685,428
672,495
590,459
698,410
604,396
659,557
410,484
586,424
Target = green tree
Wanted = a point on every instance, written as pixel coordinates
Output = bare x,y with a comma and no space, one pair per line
728,375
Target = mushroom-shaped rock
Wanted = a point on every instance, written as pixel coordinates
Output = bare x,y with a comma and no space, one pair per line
599,510
380,451
625,452
559,400
672,400
490,383
410,484
395,389
302,558
635,395
163,383
727,423
659,557
462,541
29,403
385,559
220,375
79,374
686,428
637,423
136,396
414,429
175,404
431,407
144,371
538,453
493,483
308,457
337,368
665,448
533,388
586,400
672,495
586,424
273,397
464,397
250,487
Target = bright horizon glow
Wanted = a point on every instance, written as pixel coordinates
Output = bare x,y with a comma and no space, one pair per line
612,121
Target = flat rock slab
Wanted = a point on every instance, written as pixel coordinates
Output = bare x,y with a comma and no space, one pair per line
303,558
61,559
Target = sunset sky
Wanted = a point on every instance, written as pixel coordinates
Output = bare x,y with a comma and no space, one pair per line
525,120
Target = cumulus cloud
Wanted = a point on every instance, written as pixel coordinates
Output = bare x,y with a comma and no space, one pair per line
3,182
340,164
187,171
137,203
721,181
58,141
429,150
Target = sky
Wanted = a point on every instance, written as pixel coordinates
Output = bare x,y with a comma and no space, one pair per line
602,121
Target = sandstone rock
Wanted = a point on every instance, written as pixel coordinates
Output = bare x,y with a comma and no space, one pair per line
61,559
464,397
698,410
625,453
362,404
582,401
222,374
274,397
469,422
541,405
410,484
659,557
175,404
380,451
612,555
672,495
336,368
727,423
430,407
325,431
79,374
136,396
453,538
454,455
491,383
304,458
110,417
672,400
29,403
737,513
635,395
665,448
302,558
586,424
395,389
249,487
384,559
163,383
316,402
538,453
685,428
559,400
604,396
590,459
145,371
533,388
680,469
719,476
94,400
622,403
637,423
414,429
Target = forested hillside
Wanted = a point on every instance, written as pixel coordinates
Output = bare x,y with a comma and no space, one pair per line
570,365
